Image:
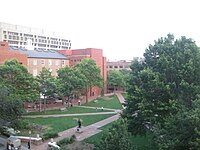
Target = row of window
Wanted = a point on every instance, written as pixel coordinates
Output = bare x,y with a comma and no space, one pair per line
49,61
10,34
13,37
35,72
116,67
75,60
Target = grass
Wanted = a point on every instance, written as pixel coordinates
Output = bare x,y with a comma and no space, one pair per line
106,102
125,95
70,110
141,142
95,139
58,124
144,142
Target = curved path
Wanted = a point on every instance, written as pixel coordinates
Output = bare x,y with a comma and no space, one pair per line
86,131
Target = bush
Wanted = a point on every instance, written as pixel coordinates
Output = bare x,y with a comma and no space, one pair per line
21,124
49,135
66,141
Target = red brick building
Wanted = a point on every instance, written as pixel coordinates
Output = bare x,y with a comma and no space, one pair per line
6,54
34,60
77,55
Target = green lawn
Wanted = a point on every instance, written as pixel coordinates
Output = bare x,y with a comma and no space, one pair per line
95,139
58,124
125,95
141,142
70,110
106,102
144,142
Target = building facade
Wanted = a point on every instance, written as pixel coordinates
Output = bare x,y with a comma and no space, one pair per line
34,60
18,36
118,65
37,59
6,54
77,55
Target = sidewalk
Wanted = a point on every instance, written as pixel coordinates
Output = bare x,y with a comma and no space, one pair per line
66,115
87,132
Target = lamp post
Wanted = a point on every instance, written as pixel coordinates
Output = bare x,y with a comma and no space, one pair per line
29,144
45,103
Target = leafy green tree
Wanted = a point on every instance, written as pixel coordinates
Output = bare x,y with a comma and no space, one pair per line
70,82
116,79
11,111
117,137
17,82
47,84
92,73
180,131
167,80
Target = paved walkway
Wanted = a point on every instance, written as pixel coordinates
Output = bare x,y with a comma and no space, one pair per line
86,131
66,115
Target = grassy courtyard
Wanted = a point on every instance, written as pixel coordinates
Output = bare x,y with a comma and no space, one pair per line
140,142
58,124
106,102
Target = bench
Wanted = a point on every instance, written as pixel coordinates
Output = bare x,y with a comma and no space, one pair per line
63,109
53,144
99,108
95,101
34,140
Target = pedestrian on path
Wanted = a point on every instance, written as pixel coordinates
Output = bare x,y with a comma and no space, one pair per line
79,123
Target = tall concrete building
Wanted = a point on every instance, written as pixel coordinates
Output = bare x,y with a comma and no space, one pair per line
20,36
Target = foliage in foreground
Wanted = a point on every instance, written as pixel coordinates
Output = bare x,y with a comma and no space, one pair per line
164,92
66,141
117,137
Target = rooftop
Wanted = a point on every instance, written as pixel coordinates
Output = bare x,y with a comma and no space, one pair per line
39,53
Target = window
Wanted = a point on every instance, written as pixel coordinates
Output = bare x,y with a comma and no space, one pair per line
126,66
116,66
110,66
42,62
57,62
120,66
50,62
63,62
34,62
34,72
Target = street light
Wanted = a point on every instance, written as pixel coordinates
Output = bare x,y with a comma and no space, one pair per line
45,103
29,144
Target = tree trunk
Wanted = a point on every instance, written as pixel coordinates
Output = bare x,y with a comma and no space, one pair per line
86,92
45,104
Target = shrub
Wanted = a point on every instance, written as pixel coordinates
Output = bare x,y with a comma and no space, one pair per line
49,135
66,141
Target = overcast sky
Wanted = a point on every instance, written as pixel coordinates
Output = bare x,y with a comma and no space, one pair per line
122,28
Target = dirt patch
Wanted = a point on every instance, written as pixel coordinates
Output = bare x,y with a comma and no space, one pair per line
80,146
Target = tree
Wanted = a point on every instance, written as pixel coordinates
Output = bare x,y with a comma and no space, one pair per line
92,73
167,80
17,82
16,86
11,111
47,84
116,79
180,131
70,82
117,137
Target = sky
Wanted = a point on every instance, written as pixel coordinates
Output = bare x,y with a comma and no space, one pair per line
122,28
